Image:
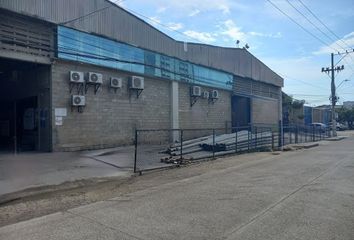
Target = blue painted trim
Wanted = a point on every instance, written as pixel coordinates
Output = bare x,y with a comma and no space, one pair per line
83,47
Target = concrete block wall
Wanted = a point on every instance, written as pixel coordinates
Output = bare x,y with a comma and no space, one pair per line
265,111
203,114
109,119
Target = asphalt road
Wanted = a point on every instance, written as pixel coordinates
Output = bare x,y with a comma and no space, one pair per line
298,195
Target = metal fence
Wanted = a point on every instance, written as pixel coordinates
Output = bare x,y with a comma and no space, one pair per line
161,148
293,134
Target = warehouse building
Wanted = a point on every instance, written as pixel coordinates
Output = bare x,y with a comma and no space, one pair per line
70,82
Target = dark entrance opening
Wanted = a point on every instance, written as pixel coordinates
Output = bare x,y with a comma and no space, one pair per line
241,111
24,106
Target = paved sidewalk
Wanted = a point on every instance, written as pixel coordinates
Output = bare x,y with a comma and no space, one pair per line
28,170
302,195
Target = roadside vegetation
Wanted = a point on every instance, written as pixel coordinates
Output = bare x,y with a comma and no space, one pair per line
346,115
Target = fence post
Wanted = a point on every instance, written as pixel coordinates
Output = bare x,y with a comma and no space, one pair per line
291,135
136,149
248,142
256,138
280,137
272,140
181,147
213,143
296,134
236,141
313,133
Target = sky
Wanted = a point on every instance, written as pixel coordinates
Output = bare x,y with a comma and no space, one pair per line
298,56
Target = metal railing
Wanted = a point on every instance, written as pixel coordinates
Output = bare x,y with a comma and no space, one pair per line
161,148
294,134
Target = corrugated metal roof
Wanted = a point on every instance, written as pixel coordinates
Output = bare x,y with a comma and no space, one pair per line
118,24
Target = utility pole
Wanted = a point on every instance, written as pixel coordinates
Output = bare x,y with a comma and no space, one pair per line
333,98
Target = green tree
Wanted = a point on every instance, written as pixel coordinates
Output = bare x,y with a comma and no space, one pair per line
346,115
293,109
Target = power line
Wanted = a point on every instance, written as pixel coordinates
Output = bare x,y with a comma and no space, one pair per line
166,26
303,28
318,19
304,82
139,14
333,33
298,24
93,12
309,95
307,19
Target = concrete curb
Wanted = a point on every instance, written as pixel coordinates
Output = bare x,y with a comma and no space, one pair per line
48,189
294,147
334,139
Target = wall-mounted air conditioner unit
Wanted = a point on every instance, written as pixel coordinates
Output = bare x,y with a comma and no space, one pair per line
206,95
136,82
78,101
76,77
214,94
196,91
95,78
116,82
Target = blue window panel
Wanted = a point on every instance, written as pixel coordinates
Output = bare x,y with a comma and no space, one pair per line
167,65
209,77
150,63
83,47
184,72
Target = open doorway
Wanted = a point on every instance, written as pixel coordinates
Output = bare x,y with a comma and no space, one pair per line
241,111
24,106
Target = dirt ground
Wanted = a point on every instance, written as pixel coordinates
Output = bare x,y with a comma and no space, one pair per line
38,202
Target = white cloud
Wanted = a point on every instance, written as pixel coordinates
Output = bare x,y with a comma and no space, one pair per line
347,40
194,13
198,6
204,37
229,29
175,26
267,35
161,10
225,9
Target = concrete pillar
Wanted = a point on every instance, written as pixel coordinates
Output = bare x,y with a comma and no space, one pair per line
175,110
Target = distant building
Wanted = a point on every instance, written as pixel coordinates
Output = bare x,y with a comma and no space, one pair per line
348,104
